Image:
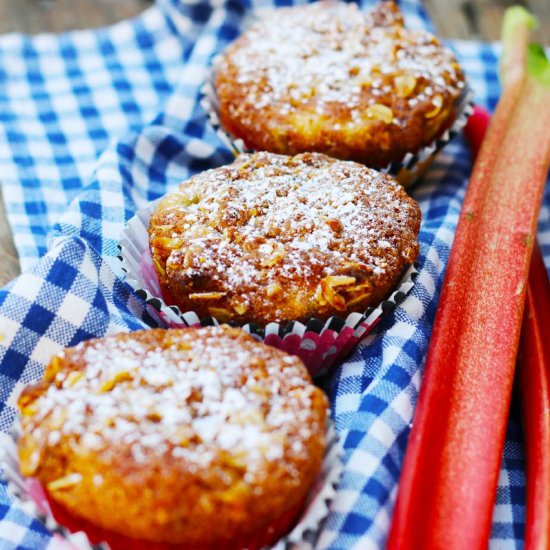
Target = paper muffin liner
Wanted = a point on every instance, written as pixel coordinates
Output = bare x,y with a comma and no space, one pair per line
31,498
407,171
320,344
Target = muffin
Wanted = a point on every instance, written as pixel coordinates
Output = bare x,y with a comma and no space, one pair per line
197,436
271,238
326,77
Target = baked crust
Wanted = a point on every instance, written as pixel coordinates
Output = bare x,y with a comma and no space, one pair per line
276,238
196,436
326,77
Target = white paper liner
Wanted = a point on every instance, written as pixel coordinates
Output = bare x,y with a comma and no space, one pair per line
302,536
407,171
320,344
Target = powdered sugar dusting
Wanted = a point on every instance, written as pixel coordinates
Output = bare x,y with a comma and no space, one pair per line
266,223
324,55
185,393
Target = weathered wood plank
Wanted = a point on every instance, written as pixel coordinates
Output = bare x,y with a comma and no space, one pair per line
35,16
77,14
541,8
450,19
482,19
9,264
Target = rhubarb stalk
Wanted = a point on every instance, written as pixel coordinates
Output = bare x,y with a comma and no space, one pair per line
448,483
534,377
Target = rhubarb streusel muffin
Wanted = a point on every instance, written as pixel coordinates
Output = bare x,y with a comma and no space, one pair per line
277,238
202,437
326,77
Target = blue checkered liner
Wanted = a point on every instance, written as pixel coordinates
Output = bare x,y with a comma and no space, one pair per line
94,124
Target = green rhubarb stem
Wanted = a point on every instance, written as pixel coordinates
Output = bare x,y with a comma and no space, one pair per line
449,478
515,44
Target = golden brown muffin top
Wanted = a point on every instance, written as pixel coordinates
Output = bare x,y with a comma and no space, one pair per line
326,77
212,399
330,53
272,237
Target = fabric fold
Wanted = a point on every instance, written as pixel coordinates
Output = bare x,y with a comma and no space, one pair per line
97,123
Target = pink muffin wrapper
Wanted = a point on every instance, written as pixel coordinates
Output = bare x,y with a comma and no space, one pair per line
320,344
407,171
31,498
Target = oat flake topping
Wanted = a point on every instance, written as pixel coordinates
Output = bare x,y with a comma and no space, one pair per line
327,77
182,393
277,233
335,53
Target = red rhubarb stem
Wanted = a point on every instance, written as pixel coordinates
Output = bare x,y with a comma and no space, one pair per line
448,482
534,377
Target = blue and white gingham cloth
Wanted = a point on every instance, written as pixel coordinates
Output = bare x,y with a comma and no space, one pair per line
93,125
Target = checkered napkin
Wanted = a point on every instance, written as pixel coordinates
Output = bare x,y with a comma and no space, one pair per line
97,123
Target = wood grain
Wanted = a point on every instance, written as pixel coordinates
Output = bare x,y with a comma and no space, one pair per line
36,16
481,19
9,265
463,19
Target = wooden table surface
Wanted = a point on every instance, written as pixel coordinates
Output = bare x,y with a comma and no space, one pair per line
464,19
